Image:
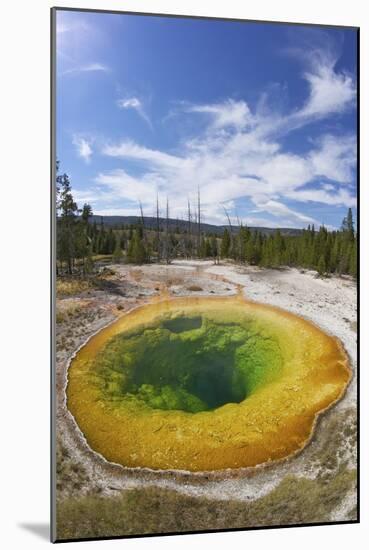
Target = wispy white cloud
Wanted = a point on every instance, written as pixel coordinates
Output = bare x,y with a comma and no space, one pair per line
129,149
228,171
239,158
330,90
128,187
62,28
335,158
280,210
87,68
76,45
339,197
135,104
67,25
93,197
83,148
228,114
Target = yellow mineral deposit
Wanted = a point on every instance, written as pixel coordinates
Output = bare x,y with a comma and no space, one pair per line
202,384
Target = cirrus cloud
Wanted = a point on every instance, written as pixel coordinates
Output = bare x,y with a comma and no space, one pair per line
239,158
135,104
83,148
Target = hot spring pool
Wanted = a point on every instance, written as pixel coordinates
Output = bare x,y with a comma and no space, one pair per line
204,384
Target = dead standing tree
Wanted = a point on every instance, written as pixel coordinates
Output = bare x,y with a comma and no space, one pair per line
239,238
167,252
158,228
198,222
189,230
230,230
144,236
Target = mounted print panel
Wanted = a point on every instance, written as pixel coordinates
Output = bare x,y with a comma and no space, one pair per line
204,245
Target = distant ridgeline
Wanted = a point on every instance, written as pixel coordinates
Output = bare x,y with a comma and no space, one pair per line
178,226
84,238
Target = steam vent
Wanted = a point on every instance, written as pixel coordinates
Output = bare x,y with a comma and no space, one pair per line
203,384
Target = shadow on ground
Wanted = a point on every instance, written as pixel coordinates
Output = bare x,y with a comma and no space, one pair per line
42,530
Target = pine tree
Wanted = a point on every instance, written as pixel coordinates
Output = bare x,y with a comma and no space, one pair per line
117,254
136,253
89,262
335,252
67,211
250,251
267,253
122,241
207,248
86,212
321,266
214,248
258,243
353,260
348,225
226,243
278,248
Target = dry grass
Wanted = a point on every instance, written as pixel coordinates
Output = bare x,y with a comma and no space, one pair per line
339,443
69,309
154,510
295,500
71,476
67,286
71,287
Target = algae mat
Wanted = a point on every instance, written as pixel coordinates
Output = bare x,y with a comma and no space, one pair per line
201,384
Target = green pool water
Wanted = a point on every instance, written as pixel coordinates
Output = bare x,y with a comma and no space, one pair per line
188,363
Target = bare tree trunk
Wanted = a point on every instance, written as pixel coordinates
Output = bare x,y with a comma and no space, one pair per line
167,234
143,231
142,221
198,220
189,248
158,226
239,225
142,216
230,226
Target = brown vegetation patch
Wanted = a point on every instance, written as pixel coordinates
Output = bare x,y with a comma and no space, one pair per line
152,510
338,446
72,286
69,309
71,476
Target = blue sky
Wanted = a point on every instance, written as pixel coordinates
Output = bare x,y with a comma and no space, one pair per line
261,117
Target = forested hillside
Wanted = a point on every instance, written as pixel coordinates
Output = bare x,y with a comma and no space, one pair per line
80,242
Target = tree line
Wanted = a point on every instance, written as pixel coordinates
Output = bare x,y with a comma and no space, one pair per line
80,243
321,250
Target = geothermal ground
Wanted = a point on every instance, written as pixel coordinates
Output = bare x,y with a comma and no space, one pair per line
323,472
